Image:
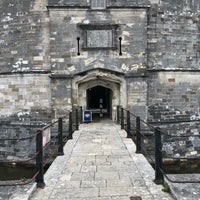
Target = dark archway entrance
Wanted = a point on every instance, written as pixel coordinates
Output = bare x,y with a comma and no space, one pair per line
99,100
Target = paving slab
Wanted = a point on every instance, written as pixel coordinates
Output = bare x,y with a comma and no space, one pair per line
100,163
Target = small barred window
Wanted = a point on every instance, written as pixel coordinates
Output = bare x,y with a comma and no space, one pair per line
98,4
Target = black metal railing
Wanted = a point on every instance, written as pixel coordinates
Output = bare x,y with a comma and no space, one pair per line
64,128
75,118
141,131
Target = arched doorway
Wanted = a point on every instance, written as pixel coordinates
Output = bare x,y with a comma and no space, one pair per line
100,80
99,100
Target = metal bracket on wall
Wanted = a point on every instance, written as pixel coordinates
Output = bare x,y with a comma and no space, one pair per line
78,41
120,46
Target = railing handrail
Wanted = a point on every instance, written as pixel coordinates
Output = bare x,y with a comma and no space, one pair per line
39,175
18,139
159,172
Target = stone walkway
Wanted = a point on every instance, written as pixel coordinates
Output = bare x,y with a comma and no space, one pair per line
100,164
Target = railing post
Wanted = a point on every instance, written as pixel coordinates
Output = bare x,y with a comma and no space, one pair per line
81,114
39,160
138,136
60,137
122,118
128,125
70,126
158,157
77,121
118,118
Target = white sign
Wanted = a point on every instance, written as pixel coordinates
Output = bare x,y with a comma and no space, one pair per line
46,136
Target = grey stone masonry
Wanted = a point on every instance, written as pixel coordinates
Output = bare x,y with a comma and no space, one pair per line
173,35
100,163
146,53
23,36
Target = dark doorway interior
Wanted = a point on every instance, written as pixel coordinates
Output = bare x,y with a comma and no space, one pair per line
99,100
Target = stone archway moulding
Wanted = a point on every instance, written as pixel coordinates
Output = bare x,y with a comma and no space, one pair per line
99,77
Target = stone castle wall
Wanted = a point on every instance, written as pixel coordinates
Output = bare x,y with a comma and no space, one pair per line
24,36
174,59
24,93
63,45
160,58
173,36
24,57
159,36
173,82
